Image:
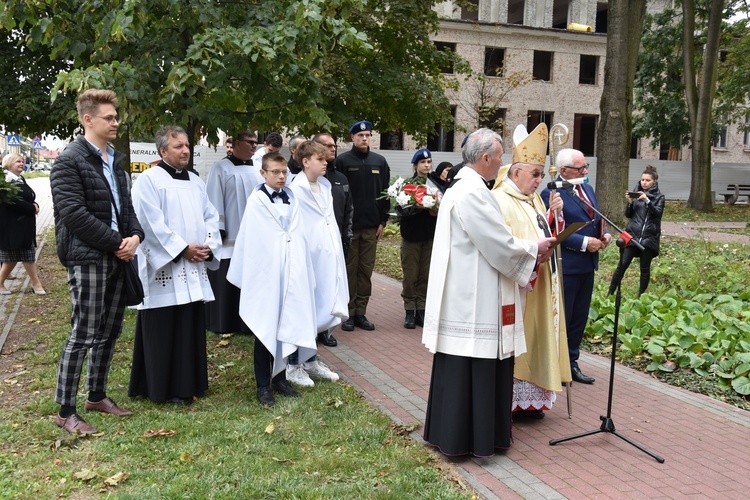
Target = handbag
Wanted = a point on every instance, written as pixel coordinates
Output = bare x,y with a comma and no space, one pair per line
132,286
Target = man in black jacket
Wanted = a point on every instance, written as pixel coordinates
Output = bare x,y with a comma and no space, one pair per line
96,229
368,174
343,208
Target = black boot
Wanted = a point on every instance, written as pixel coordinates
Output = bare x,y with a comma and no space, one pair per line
419,317
409,321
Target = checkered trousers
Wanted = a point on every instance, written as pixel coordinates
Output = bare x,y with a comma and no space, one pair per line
96,294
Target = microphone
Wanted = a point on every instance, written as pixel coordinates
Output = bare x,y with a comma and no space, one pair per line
626,239
567,184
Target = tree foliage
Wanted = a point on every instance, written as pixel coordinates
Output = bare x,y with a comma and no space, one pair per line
660,102
28,79
659,99
208,65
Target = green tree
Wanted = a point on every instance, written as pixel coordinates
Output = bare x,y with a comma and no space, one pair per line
685,90
700,90
28,79
659,100
206,65
624,28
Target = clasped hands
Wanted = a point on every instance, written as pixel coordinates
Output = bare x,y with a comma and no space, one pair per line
127,248
197,253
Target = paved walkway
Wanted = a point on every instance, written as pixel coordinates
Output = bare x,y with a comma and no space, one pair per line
705,442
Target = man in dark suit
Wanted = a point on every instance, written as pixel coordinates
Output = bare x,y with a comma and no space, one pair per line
580,252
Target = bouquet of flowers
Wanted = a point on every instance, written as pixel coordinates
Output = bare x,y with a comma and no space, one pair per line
415,193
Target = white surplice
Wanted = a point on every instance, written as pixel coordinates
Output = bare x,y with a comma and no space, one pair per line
324,243
174,213
229,186
272,268
474,308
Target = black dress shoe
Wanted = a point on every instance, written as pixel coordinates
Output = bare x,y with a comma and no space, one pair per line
578,376
348,325
285,388
528,415
419,317
363,323
327,339
265,397
410,320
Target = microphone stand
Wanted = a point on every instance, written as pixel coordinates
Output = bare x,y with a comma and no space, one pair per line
586,203
608,425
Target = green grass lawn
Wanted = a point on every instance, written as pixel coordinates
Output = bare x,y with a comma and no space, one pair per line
329,443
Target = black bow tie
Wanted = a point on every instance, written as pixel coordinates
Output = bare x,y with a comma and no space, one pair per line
280,194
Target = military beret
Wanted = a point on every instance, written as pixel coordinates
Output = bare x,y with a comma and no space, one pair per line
360,126
421,155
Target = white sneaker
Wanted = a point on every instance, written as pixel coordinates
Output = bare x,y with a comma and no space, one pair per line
298,376
318,369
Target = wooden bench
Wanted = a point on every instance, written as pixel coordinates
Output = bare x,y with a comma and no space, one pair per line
735,192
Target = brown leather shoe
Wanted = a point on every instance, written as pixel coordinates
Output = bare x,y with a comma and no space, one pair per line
106,405
74,424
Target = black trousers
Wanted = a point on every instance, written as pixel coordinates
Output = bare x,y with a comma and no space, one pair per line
263,363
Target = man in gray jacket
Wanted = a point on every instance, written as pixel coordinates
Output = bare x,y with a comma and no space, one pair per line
96,230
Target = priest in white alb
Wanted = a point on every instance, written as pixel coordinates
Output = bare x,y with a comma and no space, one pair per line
182,226
474,310
229,184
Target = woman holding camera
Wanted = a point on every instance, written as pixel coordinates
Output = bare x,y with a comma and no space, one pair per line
645,208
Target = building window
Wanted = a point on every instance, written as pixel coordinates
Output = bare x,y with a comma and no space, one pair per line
584,134
446,47
542,65
392,140
494,61
602,13
588,70
516,9
634,142
560,11
746,140
493,119
534,118
664,151
471,13
720,134
721,138
442,138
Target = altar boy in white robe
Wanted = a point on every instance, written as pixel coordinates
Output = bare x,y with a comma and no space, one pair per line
313,192
169,353
273,270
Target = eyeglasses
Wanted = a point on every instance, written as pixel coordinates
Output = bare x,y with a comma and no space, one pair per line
535,174
585,166
249,141
277,173
330,146
110,118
